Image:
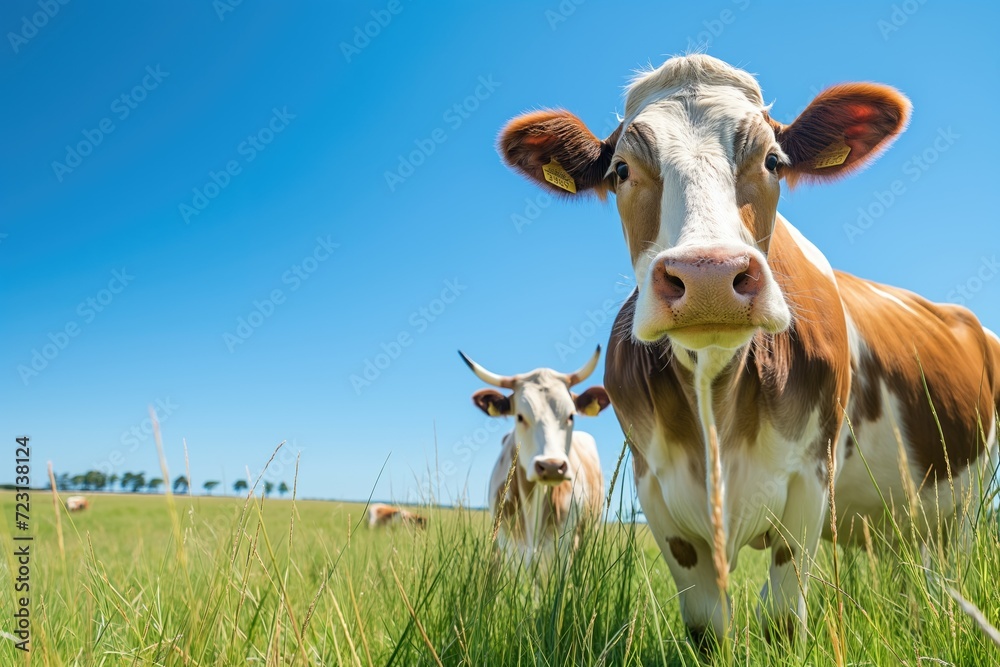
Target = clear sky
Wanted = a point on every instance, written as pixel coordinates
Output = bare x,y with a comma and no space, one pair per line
228,211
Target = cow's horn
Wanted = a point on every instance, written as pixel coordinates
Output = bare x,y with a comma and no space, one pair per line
579,376
503,381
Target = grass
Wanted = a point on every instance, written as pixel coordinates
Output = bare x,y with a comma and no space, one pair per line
278,583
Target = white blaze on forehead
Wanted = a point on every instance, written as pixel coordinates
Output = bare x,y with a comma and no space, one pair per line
680,74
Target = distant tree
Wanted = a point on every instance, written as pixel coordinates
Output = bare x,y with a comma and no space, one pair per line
137,482
154,484
283,488
112,480
96,480
268,488
126,480
62,481
79,482
209,485
240,486
181,484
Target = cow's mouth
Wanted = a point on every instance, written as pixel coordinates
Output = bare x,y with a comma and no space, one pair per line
701,336
552,482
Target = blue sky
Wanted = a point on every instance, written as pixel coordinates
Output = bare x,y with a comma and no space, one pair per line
229,211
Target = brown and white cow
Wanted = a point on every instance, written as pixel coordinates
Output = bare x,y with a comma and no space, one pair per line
740,327
557,486
384,515
77,503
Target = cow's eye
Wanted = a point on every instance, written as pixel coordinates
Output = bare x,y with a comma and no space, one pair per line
771,162
520,419
570,419
622,170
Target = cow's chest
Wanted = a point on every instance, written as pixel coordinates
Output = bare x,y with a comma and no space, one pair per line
756,476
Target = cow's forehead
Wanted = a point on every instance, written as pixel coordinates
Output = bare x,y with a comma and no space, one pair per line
542,380
694,79
541,386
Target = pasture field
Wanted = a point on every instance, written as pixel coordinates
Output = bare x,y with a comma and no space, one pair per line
302,583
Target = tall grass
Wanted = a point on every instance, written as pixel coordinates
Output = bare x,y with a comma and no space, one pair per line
277,582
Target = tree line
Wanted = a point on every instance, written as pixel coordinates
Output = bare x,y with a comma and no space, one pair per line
137,482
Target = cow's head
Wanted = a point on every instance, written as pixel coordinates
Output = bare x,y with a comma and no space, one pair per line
544,410
696,166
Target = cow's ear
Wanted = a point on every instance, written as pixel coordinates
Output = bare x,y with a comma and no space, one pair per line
556,150
843,129
592,401
492,402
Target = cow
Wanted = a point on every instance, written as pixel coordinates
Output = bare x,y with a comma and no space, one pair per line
547,485
742,364
380,515
77,503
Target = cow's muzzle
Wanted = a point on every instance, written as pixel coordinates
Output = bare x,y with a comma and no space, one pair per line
551,470
710,296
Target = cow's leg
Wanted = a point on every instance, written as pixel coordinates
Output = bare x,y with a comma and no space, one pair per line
690,562
792,550
705,611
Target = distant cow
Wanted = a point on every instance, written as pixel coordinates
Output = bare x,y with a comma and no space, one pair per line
384,515
77,503
557,480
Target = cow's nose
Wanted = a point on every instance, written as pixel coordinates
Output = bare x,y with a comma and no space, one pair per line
551,470
706,276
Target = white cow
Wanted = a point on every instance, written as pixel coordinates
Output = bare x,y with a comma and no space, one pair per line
556,486
77,503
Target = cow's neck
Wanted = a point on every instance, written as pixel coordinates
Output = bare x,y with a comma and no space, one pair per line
777,380
710,376
542,514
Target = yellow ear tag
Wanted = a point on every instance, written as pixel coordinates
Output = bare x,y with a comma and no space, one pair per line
832,156
593,409
559,177
492,411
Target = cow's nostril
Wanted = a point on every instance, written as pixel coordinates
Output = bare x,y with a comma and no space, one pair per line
540,468
673,287
745,284
563,467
